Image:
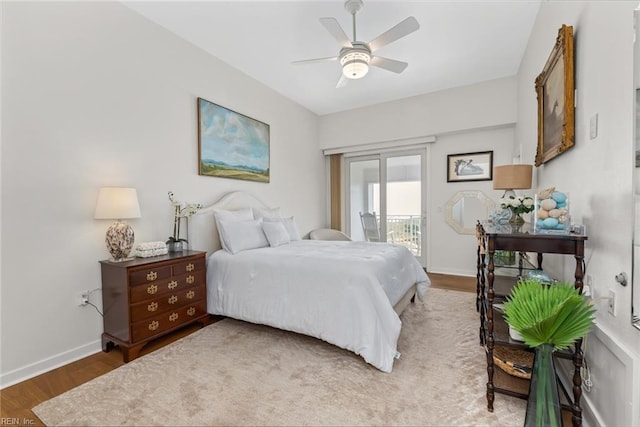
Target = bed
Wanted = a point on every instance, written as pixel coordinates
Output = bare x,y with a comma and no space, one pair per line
349,294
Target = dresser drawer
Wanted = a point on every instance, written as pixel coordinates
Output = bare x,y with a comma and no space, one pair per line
149,275
153,290
167,320
169,301
188,266
191,279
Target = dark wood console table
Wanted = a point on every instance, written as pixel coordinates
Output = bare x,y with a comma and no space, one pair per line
493,329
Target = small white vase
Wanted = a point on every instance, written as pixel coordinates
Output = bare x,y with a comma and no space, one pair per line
515,335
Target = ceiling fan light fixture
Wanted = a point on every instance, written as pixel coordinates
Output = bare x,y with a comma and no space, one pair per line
355,64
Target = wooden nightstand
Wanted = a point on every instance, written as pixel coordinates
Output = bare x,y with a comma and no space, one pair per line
145,298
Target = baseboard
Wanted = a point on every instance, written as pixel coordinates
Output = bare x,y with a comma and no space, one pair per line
24,373
455,272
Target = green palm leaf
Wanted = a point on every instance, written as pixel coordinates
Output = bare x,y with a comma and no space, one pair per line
555,314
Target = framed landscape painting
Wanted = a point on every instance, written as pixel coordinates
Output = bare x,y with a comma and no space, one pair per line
476,166
231,145
555,91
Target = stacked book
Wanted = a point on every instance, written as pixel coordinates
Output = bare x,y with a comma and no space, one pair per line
149,249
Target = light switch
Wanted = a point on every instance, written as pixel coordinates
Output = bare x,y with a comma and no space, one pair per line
594,126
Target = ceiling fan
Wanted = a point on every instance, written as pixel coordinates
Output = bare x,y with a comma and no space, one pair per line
356,56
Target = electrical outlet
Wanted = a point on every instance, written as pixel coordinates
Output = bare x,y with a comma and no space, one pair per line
84,298
612,303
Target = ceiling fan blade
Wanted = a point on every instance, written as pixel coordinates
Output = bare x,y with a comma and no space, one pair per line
402,29
342,82
388,64
332,25
311,61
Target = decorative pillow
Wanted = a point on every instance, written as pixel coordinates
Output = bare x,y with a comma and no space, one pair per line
266,213
276,233
245,214
242,235
289,225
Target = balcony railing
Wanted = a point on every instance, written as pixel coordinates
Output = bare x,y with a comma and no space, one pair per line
405,230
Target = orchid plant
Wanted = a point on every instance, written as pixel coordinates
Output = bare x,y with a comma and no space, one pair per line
180,210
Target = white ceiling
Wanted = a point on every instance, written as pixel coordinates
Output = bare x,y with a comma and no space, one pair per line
458,43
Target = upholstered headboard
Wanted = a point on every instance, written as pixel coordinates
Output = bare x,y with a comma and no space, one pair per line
203,234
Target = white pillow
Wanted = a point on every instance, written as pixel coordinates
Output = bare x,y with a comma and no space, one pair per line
289,225
242,235
266,213
245,214
276,234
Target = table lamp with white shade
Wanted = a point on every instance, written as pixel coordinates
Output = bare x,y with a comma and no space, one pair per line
118,203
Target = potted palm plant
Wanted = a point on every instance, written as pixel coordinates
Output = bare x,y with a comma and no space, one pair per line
548,318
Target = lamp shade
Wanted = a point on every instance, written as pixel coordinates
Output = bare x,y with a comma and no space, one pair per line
355,63
117,203
512,177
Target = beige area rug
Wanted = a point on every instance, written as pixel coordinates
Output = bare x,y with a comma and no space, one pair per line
236,373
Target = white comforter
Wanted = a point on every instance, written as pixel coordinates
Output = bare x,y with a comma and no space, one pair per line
340,292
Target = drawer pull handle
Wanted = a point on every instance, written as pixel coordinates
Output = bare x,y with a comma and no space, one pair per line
173,284
152,289
154,325
190,267
153,306
191,294
191,311
173,317
152,275
191,279
173,299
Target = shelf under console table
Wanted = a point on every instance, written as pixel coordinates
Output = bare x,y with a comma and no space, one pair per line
493,329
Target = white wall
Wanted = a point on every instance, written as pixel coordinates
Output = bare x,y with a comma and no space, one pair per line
465,119
487,104
95,95
448,251
598,175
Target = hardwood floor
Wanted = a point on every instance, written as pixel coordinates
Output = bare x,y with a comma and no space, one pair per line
455,283
17,401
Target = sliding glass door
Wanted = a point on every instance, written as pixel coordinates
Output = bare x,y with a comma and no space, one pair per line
386,200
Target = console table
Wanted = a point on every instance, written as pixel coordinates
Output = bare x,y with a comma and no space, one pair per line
493,329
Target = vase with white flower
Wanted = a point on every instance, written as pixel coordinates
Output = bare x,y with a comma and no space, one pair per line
181,210
518,205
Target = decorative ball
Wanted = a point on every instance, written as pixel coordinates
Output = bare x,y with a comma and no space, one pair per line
542,214
548,204
554,213
550,223
559,197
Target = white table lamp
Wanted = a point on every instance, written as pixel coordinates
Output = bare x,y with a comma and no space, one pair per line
118,203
